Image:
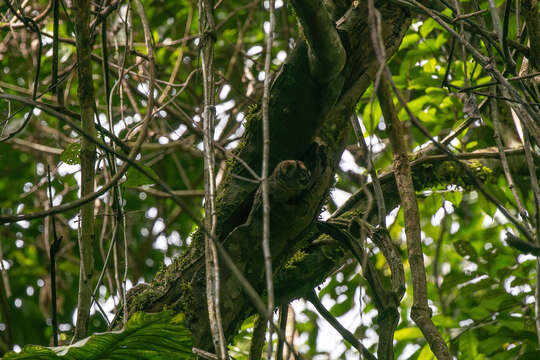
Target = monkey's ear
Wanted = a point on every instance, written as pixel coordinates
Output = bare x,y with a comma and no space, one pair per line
286,169
302,173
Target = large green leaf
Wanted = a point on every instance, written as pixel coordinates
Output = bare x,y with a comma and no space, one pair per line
70,155
136,178
147,336
408,334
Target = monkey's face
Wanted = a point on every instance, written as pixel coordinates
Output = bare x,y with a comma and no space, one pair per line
293,174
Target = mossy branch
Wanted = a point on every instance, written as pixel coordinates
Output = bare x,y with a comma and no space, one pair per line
81,10
326,53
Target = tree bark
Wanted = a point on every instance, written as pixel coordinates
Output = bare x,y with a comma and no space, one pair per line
81,10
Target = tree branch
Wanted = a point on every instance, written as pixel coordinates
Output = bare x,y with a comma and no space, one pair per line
81,10
346,334
207,35
421,312
265,185
326,53
532,19
323,256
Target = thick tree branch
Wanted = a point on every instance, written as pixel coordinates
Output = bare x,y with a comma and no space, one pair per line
299,104
326,53
421,312
257,339
532,19
386,301
322,256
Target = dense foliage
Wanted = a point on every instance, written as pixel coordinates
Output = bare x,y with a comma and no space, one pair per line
481,290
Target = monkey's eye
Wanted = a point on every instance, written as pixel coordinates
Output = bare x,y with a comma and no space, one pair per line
303,175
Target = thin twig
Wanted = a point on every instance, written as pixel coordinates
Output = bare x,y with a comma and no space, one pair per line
5,295
504,161
31,24
264,176
529,114
536,195
85,92
207,38
492,83
346,334
162,194
55,245
381,207
204,354
469,15
179,58
56,16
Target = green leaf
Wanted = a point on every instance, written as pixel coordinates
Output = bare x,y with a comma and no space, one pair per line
531,355
464,248
487,206
436,90
468,345
513,323
408,334
452,280
444,321
371,116
432,203
136,178
454,197
147,336
503,261
71,154
473,288
409,39
428,26
426,354
479,313
419,103
341,308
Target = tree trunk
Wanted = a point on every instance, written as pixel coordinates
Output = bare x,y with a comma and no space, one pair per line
309,121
